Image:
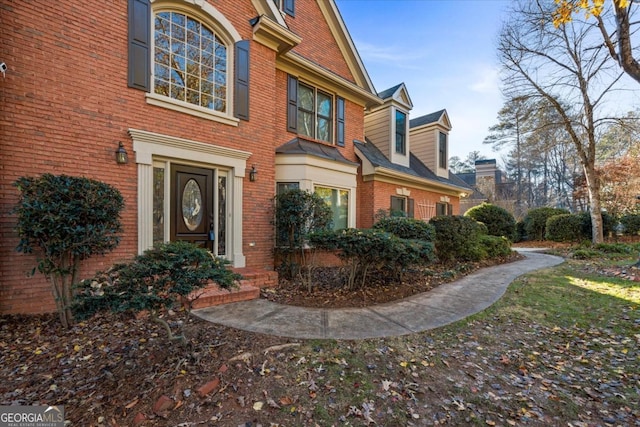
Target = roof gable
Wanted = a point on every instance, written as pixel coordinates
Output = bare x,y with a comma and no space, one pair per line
438,118
397,94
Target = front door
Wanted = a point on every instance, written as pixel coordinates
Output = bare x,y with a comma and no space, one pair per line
192,215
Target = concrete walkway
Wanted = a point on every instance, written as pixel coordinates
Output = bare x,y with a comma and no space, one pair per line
443,305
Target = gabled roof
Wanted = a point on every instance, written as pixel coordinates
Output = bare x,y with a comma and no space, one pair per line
416,169
398,93
440,117
302,146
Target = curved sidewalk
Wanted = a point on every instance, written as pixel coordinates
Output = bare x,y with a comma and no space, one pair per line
443,305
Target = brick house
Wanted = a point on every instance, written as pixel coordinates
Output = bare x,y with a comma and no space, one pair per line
218,105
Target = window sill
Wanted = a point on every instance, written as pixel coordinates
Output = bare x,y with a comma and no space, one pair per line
194,110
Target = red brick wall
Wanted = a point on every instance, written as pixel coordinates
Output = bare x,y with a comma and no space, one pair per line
66,104
374,195
318,44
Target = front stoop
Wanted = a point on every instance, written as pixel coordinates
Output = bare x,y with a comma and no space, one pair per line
249,289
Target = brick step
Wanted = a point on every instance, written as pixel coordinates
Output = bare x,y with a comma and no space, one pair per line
249,289
213,295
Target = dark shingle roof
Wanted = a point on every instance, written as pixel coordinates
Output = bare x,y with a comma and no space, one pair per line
302,146
424,120
416,167
389,92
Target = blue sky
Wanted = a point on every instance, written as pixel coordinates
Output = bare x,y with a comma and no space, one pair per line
445,53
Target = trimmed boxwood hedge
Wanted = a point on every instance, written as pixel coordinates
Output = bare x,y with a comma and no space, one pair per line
535,222
498,220
458,238
631,224
565,228
407,228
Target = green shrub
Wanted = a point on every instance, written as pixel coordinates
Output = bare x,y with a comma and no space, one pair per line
608,224
407,228
585,254
521,233
457,238
158,279
368,251
614,248
536,221
65,220
631,224
498,220
298,213
565,228
495,246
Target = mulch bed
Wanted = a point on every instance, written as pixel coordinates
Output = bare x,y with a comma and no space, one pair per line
329,290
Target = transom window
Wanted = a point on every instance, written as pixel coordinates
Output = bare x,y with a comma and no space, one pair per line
190,62
315,113
401,132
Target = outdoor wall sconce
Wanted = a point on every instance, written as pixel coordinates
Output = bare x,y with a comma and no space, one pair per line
253,173
121,155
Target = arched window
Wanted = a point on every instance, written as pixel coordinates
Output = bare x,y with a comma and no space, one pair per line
188,57
190,61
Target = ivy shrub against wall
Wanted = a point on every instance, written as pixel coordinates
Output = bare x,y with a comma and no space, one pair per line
407,228
298,213
64,220
372,251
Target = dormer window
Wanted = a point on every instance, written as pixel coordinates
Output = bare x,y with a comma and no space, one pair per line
401,132
442,151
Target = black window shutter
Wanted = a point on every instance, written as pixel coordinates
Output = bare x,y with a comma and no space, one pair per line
411,209
139,43
292,107
340,121
241,90
289,7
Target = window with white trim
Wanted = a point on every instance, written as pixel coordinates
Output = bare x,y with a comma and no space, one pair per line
444,209
442,151
338,201
286,6
190,61
312,112
315,113
401,132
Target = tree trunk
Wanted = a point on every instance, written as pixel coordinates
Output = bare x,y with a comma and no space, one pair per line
597,236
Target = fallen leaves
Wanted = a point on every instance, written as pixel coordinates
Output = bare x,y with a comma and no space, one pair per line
497,369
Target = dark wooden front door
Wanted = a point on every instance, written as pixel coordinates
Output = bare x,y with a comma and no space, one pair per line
192,216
